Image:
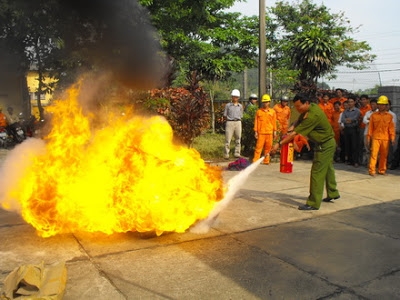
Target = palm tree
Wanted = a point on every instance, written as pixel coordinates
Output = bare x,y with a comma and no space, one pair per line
314,56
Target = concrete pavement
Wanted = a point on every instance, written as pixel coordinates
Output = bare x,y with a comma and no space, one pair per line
261,246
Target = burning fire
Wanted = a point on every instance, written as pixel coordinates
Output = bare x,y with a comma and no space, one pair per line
126,176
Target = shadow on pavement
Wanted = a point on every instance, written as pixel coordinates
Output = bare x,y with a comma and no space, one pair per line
351,254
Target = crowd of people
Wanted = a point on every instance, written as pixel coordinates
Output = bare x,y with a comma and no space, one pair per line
350,129
348,114
356,140
269,123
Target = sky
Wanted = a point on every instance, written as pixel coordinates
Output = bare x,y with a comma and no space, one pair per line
379,26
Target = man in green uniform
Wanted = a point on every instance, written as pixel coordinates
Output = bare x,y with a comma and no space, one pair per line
314,124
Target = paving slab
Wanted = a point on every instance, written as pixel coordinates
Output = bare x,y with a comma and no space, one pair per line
86,281
382,219
21,245
98,244
384,287
342,254
214,268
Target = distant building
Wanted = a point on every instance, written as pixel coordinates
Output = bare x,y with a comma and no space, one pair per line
33,84
17,88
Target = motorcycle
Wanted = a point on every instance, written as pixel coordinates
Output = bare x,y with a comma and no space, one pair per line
30,126
6,141
17,132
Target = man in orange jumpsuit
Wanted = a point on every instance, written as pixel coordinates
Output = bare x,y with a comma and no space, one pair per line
283,115
337,110
264,128
327,107
380,133
364,107
339,97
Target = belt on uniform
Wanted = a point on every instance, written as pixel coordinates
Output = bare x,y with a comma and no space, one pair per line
234,120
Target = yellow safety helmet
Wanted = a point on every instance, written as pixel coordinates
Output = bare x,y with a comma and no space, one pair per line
265,98
383,100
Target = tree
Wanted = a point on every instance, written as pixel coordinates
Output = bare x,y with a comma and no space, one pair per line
314,54
69,37
314,41
187,111
323,86
31,31
283,81
202,40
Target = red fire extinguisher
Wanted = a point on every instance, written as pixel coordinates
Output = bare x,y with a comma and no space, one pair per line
286,158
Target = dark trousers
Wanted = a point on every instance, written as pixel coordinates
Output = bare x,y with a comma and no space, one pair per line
351,137
361,147
342,154
396,155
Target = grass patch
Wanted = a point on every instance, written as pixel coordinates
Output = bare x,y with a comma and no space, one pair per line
210,145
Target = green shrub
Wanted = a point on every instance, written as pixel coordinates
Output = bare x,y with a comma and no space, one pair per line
248,140
210,145
187,111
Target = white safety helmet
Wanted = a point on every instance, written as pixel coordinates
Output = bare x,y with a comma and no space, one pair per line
253,96
235,93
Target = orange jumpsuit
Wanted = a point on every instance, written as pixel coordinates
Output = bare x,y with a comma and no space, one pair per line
380,133
283,117
3,120
336,125
265,126
341,100
328,109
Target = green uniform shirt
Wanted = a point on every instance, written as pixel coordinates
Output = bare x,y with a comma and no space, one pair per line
315,125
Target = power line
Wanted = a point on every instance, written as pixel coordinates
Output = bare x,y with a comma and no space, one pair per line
359,72
381,64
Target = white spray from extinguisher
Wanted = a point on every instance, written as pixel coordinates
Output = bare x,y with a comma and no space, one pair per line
234,185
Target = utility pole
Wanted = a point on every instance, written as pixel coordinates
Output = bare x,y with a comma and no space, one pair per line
244,84
262,56
212,111
270,82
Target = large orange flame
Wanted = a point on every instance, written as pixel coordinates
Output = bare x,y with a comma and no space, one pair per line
126,176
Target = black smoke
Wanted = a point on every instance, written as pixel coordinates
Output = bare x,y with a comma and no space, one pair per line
117,37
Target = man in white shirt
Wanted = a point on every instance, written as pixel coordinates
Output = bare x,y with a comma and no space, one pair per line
233,114
341,126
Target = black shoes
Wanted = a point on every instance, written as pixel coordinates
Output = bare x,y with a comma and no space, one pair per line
307,207
328,199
